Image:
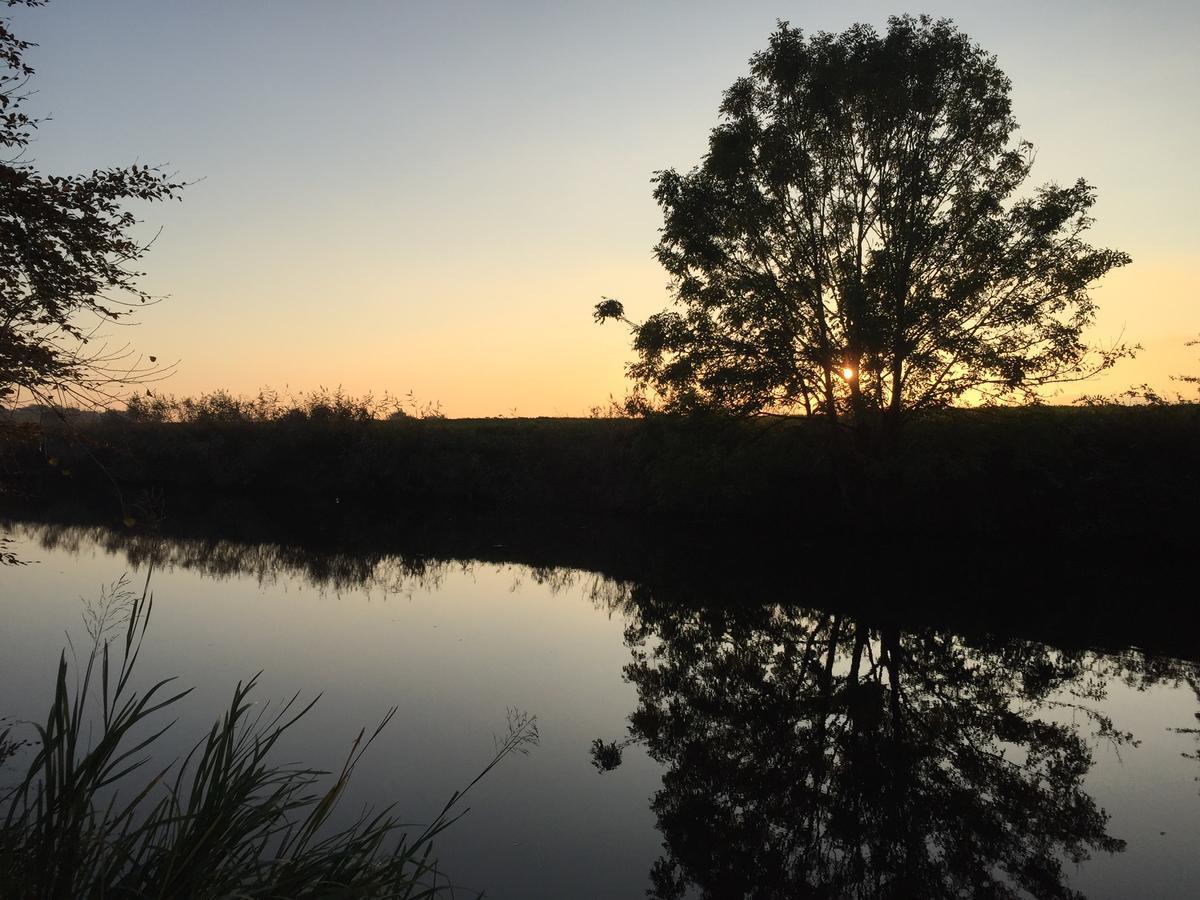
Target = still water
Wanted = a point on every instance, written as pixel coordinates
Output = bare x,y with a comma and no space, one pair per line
745,748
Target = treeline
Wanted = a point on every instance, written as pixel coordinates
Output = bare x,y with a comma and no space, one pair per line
1032,470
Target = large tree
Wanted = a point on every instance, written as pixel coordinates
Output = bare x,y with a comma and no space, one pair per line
67,244
859,239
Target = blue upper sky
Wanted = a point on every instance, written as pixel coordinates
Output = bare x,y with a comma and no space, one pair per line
431,196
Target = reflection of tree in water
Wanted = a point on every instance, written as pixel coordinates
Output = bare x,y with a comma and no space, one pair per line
807,754
810,755
1192,679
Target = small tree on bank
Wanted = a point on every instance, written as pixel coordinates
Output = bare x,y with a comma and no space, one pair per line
65,254
856,242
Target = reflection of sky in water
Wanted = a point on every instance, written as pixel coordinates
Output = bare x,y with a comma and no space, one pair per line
454,646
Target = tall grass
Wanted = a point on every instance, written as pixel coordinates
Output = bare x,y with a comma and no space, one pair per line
94,819
321,405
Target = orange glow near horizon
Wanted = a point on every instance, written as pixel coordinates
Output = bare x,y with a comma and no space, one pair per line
537,352
450,236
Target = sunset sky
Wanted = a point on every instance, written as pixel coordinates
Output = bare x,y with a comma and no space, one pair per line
397,196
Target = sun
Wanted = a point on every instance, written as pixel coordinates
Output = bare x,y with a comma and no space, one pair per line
847,373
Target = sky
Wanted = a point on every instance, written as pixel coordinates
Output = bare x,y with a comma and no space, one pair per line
430,197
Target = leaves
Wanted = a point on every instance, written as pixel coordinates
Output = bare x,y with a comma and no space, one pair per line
66,257
860,207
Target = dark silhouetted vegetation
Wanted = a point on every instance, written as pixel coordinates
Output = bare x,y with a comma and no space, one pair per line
66,247
1096,471
811,754
92,817
7,557
1074,592
269,406
860,242
858,250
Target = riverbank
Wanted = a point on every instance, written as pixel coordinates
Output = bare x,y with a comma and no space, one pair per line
1103,591
1074,471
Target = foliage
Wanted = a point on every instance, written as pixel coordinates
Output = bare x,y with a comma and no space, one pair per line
1102,471
66,247
227,822
321,405
1145,393
267,406
1193,380
858,239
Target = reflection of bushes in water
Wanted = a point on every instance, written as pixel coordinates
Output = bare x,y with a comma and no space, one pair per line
225,822
221,559
809,754
1193,681
386,573
606,755
7,556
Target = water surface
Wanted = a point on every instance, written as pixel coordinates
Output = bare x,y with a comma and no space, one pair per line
742,745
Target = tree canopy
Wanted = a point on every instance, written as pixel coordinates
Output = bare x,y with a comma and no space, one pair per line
860,238
66,247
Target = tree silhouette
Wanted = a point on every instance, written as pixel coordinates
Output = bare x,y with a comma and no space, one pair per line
858,240
65,250
809,755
